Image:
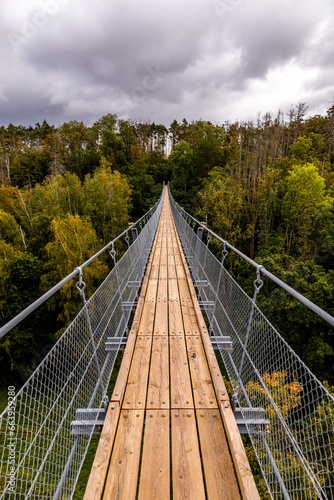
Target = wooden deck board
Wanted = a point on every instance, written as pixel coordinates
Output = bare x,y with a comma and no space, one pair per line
186,463
136,389
203,390
158,384
217,464
100,465
123,470
154,480
180,383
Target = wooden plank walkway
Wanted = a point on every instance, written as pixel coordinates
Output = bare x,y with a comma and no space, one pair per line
169,430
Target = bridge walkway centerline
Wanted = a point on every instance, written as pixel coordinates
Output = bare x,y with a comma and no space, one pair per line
169,431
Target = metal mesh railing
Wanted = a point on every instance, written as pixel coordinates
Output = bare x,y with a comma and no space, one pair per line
40,457
296,449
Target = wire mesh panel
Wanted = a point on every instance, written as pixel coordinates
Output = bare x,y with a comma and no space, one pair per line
40,457
296,449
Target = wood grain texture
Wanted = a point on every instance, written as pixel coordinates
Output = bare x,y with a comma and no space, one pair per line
244,473
174,308
154,480
148,315
161,312
123,373
217,378
142,294
175,317
124,464
146,323
158,383
98,473
220,480
187,308
186,463
136,389
203,390
180,384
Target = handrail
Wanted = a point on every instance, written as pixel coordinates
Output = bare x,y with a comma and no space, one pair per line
308,303
28,310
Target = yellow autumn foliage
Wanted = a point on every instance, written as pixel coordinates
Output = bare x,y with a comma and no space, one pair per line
287,395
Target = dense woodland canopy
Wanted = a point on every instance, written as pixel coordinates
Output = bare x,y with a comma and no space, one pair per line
266,186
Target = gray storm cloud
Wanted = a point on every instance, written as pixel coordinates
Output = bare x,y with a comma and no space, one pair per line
212,59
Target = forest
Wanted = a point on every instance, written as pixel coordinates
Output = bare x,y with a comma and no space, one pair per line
266,186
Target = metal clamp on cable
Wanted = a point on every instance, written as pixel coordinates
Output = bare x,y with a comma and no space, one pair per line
113,252
258,283
224,253
80,285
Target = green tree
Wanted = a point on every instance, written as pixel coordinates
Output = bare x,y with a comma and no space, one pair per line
56,196
9,229
21,275
308,148
30,166
107,201
182,162
222,201
74,242
308,335
111,144
140,182
304,195
207,143
75,136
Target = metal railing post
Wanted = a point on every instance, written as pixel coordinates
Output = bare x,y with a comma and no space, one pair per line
199,239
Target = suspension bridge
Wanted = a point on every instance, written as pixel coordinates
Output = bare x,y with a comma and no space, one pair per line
170,428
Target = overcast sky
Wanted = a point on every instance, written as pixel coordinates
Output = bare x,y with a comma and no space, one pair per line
160,60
